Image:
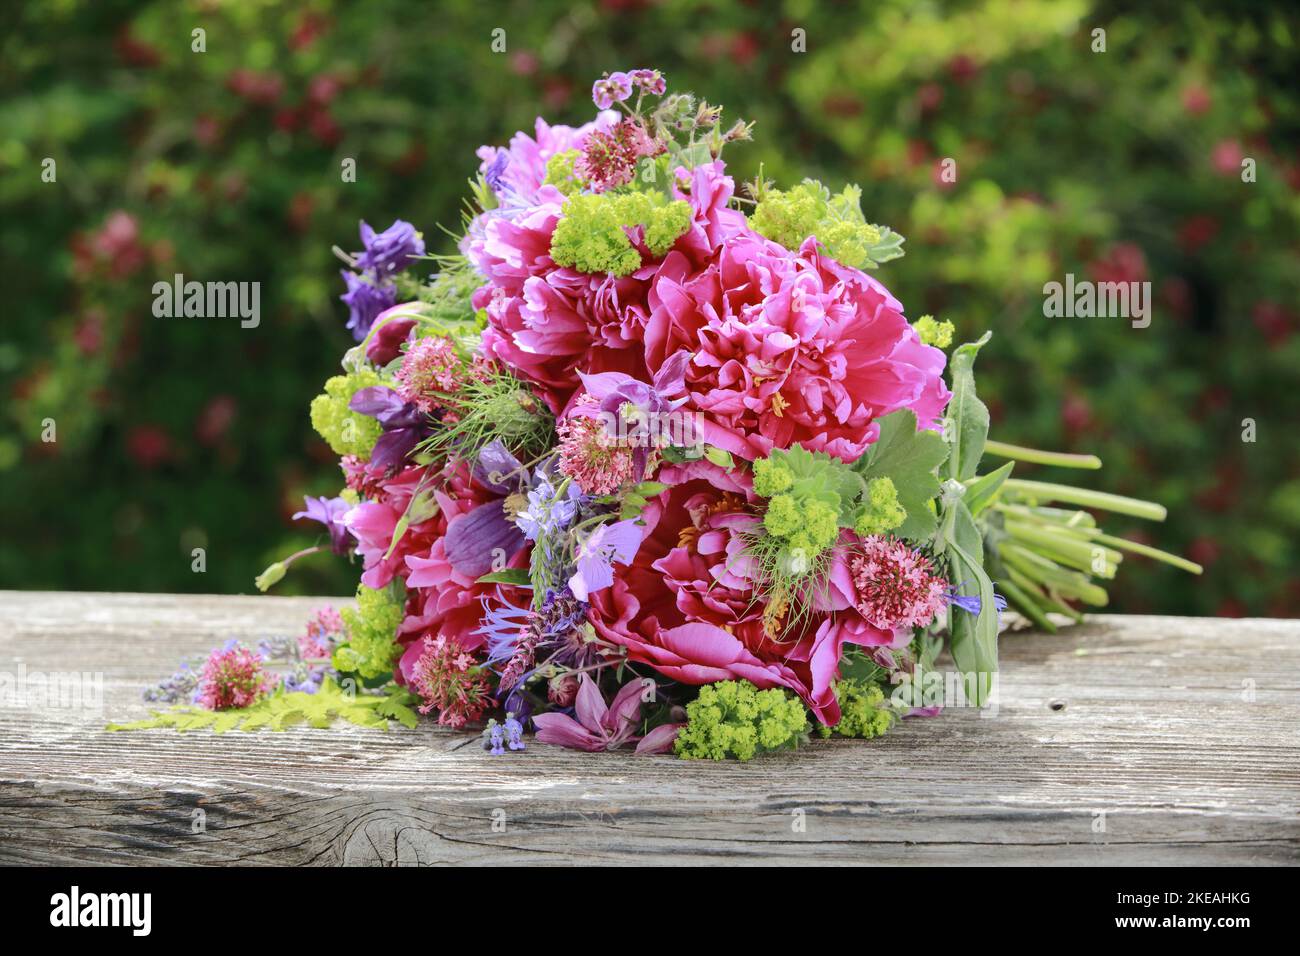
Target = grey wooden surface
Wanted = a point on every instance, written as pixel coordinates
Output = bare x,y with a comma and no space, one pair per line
1126,740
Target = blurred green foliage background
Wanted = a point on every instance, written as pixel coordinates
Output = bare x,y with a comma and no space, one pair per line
175,434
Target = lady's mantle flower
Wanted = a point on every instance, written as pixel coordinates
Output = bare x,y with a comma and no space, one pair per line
895,586
232,676
450,681
612,88
598,552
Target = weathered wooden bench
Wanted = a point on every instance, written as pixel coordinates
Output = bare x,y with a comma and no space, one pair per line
1126,740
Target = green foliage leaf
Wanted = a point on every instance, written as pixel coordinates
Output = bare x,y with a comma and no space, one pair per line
967,424
909,458
515,577
283,709
974,637
981,492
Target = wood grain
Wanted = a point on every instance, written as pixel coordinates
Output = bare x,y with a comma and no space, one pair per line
1181,735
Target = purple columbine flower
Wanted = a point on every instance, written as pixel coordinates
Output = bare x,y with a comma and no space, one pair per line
598,552
365,301
404,425
613,88
389,252
329,512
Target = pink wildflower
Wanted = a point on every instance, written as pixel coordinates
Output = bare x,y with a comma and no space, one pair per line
609,159
591,458
232,677
449,679
431,366
322,629
895,586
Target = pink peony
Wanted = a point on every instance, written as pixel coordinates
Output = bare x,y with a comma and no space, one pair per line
686,607
793,347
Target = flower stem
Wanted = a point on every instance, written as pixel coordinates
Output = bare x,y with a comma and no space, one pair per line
1063,459
1040,491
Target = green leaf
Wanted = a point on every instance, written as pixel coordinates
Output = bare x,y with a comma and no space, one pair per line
284,709
908,458
967,423
974,637
516,577
981,491
719,456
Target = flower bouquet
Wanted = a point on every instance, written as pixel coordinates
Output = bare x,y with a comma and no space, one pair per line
655,461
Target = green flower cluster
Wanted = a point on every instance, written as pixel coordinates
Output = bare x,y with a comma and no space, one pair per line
736,719
864,711
371,648
808,495
880,511
345,431
560,172
592,235
933,332
792,215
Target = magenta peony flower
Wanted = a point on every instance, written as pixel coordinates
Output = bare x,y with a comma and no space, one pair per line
793,347
686,606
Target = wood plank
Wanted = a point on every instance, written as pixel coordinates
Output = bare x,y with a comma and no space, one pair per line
1181,734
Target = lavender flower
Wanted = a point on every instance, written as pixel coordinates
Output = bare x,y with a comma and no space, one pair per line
514,732
181,686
